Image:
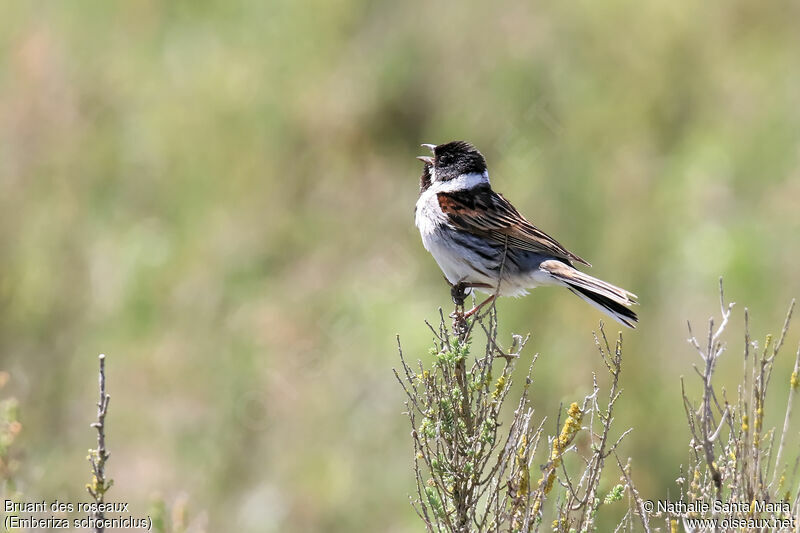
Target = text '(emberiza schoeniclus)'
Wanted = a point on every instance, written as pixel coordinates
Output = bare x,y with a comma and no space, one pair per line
482,242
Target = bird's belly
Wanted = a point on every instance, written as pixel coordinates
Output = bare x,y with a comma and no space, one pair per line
457,264
466,258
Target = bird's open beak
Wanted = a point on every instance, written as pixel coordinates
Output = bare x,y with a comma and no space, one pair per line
430,147
428,160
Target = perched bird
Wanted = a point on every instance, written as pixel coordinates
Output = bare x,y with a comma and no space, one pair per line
480,241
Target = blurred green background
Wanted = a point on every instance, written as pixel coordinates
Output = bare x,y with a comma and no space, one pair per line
219,196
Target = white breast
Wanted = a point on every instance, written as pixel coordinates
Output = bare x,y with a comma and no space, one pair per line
428,214
432,224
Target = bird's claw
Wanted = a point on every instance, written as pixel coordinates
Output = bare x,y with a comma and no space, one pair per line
459,293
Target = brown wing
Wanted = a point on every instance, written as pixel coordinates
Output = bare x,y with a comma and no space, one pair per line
482,211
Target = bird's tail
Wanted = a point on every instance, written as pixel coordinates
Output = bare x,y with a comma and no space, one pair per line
612,300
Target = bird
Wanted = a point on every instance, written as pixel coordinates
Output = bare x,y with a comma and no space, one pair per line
481,242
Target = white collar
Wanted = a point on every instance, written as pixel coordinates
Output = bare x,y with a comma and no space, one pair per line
464,182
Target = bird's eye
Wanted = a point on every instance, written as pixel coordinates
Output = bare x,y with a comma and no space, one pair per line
444,160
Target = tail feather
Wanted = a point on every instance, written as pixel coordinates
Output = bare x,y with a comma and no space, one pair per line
608,298
615,310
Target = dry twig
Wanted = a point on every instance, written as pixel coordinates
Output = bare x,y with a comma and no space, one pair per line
98,456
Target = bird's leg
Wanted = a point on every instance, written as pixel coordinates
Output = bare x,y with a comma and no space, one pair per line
459,293
478,307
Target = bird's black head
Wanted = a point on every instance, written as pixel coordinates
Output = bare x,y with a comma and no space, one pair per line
455,158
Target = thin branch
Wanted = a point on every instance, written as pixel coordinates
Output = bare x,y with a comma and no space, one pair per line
98,456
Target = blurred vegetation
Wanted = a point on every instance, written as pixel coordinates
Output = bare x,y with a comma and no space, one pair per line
219,195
